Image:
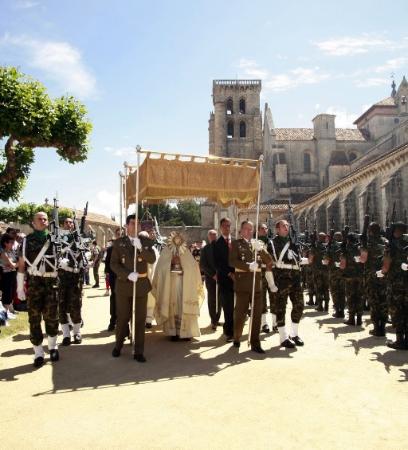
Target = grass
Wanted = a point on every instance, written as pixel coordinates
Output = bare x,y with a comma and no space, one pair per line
19,324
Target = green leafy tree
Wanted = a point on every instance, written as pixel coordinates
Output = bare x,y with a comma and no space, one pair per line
29,118
24,213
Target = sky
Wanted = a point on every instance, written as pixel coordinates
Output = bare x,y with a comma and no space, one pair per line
144,70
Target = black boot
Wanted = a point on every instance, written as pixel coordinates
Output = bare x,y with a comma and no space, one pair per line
359,320
326,305
319,306
381,328
310,302
351,320
399,343
376,328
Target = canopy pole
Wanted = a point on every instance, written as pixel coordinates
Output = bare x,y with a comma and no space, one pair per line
125,196
258,201
138,149
121,201
236,219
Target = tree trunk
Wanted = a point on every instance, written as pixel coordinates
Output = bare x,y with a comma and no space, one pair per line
9,172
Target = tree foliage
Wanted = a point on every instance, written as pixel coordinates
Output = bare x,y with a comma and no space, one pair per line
24,213
184,213
29,118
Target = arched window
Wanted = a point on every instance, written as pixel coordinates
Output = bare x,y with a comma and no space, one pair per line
307,163
242,106
230,129
242,130
230,106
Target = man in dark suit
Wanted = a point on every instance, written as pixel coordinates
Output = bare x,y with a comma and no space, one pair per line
112,278
207,266
225,276
122,264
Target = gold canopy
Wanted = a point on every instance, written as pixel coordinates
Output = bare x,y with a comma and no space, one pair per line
222,180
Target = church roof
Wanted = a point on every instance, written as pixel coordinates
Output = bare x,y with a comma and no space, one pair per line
389,101
307,134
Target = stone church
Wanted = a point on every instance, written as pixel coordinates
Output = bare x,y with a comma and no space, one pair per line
301,163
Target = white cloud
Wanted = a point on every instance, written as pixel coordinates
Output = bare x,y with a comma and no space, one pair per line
370,82
26,4
105,202
344,119
125,151
252,69
60,62
295,78
350,45
392,64
283,81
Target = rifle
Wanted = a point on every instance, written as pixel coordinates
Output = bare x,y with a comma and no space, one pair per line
331,234
293,235
389,230
55,234
79,243
83,219
307,236
313,237
364,234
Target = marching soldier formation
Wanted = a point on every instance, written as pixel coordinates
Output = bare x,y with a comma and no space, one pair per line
241,276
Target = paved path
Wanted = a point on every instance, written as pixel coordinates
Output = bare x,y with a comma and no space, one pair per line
344,389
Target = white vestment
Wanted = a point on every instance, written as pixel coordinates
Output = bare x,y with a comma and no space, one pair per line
178,297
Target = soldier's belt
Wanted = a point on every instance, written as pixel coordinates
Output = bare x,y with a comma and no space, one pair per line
37,273
247,271
142,275
281,265
71,269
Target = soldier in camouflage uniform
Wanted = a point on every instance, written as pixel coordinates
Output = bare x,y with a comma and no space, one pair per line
336,280
320,274
308,281
266,292
352,272
71,277
286,271
372,258
395,267
38,259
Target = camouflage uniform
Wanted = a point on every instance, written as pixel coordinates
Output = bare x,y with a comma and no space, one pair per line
336,280
288,281
352,275
70,283
42,302
376,288
320,275
398,291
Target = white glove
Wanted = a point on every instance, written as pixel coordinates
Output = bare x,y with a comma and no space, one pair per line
325,262
290,254
404,266
64,263
133,276
379,274
257,245
20,286
357,259
304,261
137,243
271,281
337,264
253,266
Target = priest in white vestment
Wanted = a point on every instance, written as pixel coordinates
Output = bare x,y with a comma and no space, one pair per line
178,290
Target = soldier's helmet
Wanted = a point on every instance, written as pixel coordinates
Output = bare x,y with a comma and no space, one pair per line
374,229
401,226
